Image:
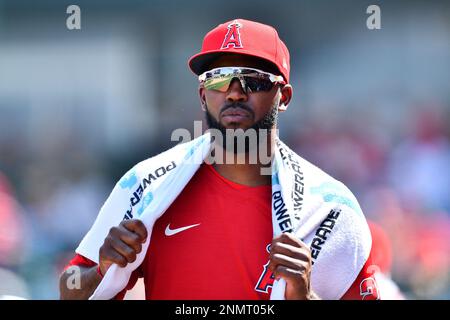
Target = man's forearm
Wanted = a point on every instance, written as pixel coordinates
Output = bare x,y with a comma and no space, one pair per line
78,283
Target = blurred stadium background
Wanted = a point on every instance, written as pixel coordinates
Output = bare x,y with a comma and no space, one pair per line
79,108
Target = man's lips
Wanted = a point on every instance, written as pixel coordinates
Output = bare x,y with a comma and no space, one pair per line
235,114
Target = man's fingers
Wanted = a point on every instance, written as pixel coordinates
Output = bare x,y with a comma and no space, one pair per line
111,256
136,226
287,273
122,244
128,237
123,249
290,251
283,260
290,259
289,238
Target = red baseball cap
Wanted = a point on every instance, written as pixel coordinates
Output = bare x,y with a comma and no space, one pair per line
243,37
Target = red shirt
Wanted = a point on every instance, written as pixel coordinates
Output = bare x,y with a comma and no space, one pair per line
211,243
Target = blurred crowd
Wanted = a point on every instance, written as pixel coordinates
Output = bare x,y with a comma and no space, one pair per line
402,184
401,181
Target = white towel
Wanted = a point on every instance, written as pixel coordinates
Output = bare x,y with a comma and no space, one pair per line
318,209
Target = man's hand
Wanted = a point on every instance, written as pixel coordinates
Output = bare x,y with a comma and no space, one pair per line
290,259
122,244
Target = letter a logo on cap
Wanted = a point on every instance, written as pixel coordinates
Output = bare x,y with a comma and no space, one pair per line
233,37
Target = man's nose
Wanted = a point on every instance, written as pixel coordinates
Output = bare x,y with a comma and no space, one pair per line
236,92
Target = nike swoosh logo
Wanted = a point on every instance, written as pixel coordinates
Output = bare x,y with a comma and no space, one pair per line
170,232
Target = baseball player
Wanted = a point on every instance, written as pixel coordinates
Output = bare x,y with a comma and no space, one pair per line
216,240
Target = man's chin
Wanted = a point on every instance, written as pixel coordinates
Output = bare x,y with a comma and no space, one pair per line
236,126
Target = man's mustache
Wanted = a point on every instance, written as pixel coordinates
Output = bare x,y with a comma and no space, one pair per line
237,105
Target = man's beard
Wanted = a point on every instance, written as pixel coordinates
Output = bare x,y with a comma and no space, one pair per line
262,127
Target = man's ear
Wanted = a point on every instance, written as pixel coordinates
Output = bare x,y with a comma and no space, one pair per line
286,96
201,94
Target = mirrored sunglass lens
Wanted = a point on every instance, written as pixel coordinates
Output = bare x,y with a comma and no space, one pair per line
257,84
219,83
253,80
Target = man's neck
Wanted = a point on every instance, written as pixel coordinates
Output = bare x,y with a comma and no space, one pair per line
247,172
